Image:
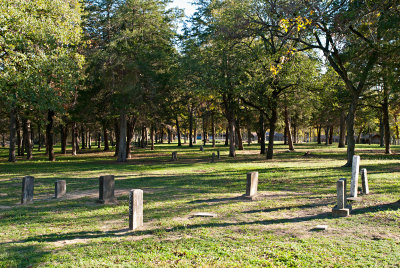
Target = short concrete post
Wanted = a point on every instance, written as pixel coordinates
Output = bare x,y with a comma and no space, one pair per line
27,189
135,209
252,184
174,156
218,155
201,148
354,176
341,209
106,189
364,179
60,188
213,158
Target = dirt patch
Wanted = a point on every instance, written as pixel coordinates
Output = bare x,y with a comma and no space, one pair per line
70,242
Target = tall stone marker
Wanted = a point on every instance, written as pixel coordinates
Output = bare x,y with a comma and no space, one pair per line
106,189
341,209
27,189
354,176
135,209
174,156
60,188
252,184
213,158
364,179
201,148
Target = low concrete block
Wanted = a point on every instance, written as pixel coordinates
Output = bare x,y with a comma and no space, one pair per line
60,188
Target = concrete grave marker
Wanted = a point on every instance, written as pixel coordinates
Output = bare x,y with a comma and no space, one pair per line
213,158
341,209
106,189
174,156
252,184
354,176
364,179
135,209
60,188
204,215
201,148
27,189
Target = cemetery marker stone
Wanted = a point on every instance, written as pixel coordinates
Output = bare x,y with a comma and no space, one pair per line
364,179
252,184
354,176
135,209
201,148
27,189
60,188
174,156
106,189
341,209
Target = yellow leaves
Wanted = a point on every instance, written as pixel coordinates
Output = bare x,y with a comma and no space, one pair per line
300,22
275,69
285,24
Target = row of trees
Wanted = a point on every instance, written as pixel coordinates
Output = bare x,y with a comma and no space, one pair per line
106,69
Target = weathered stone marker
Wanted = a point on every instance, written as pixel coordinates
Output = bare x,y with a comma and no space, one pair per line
60,188
135,209
364,179
252,184
27,189
218,155
341,209
213,158
106,189
354,176
174,156
201,148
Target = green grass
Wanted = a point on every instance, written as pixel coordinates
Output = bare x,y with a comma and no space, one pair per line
297,192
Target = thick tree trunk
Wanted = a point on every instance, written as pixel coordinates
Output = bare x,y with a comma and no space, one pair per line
131,128
190,126
178,131
319,134
152,137
272,126
288,129
227,136
327,135
64,134
231,125
117,136
13,130
350,131
19,138
386,124
143,139
285,135
381,132
169,135
213,130
74,136
342,134
261,134
99,140
49,135
39,136
239,140
122,137
89,140
28,139
105,136
330,134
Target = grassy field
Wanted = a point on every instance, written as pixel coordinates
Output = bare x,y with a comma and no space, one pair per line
296,194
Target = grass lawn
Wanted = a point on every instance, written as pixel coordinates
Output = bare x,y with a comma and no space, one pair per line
296,194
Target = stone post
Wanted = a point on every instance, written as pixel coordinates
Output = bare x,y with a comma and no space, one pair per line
106,189
252,184
135,209
174,156
354,176
27,189
213,158
341,209
364,179
60,188
201,148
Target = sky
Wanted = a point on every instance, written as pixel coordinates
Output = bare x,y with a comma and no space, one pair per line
184,4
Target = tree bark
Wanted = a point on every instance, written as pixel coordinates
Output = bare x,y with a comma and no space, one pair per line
19,138
248,135
24,136
99,140
381,132
231,125
28,139
74,135
330,134
13,130
169,135
327,135
39,136
272,126
261,133
122,137
239,136
105,136
178,131
191,126
386,123
319,134
64,133
227,136
342,134
131,128
152,137
213,129
204,131
288,129
195,131
350,130
49,135
117,136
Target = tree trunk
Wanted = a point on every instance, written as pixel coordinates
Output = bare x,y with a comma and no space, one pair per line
227,136
285,135
327,135
248,135
178,131
195,132
261,134
74,136
294,133
239,140
152,137
319,134
99,140
288,129
28,139
49,135
131,128
381,132
105,136
122,137
231,125
359,134
342,134
330,134
169,135
19,138
386,123
13,130
204,131
191,126
272,126
64,133
350,131
117,136
39,136
89,140
213,130
24,135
